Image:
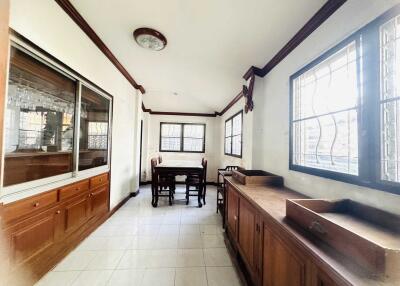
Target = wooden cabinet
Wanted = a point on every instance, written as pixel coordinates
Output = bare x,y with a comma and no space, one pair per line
249,236
232,210
33,235
41,227
76,213
99,200
282,264
320,278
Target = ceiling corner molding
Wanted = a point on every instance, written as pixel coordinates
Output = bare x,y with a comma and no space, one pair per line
81,22
144,109
231,103
316,20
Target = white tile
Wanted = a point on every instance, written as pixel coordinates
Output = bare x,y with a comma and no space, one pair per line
93,243
118,243
190,258
186,219
58,278
222,276
191,276
169,229
148,229
106,260
217,257
134,259
190,229
162,258
166,241
143,242
93,278
127,277
159,277
213,241
76,260
210,229
190,241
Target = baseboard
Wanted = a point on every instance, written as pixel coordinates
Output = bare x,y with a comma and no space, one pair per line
178,183
134,194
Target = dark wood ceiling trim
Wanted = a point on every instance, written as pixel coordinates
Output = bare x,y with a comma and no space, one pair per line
177,113
231,103
81,22
320,17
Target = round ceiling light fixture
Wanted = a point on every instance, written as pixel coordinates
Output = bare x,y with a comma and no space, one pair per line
150,39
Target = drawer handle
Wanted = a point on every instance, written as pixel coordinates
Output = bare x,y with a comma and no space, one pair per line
317,227
101,180
36,204
58,212
235,217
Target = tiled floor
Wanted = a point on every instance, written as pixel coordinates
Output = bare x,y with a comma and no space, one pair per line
141,245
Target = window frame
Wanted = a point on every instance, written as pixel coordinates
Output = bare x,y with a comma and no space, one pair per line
27,47
368,109
181,150
231,136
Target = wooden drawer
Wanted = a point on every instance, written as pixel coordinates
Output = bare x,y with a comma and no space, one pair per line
20,209
98,180
74,189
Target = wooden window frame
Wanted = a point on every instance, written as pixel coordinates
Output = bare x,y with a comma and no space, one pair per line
181,150
369,157
231,136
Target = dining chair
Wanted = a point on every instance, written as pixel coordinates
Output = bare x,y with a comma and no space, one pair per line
165,183
198,185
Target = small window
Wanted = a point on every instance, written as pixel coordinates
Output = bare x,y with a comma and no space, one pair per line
182,137
233,135
97,135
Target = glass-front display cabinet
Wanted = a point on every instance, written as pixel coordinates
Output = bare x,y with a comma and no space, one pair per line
51,113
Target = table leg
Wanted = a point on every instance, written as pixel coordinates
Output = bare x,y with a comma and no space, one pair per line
155,203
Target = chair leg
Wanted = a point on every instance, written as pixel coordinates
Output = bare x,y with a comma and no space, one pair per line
170,197
187,194
199,196
204,193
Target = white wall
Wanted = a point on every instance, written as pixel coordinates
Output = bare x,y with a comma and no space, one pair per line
151,138
48,26
271,148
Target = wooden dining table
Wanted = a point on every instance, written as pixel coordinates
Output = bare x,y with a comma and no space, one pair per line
178,168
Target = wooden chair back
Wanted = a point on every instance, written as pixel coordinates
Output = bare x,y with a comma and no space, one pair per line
204,164
159,159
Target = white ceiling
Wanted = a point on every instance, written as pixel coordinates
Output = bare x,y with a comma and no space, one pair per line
211,44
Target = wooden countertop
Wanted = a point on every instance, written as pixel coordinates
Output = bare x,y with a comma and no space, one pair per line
271,202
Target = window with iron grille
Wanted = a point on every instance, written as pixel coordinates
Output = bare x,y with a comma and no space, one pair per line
182,137
233,135
98,135
345,109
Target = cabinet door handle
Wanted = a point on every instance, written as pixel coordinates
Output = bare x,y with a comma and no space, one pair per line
36,204
58,212
235,217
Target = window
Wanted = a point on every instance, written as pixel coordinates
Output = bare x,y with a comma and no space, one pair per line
345,109
182,137
233,135
94,116
40,130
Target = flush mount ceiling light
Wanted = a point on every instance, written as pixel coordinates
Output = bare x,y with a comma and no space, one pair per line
150,39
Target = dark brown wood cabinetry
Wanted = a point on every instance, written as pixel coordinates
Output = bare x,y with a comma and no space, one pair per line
282,265
269,256
232,211
40,230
